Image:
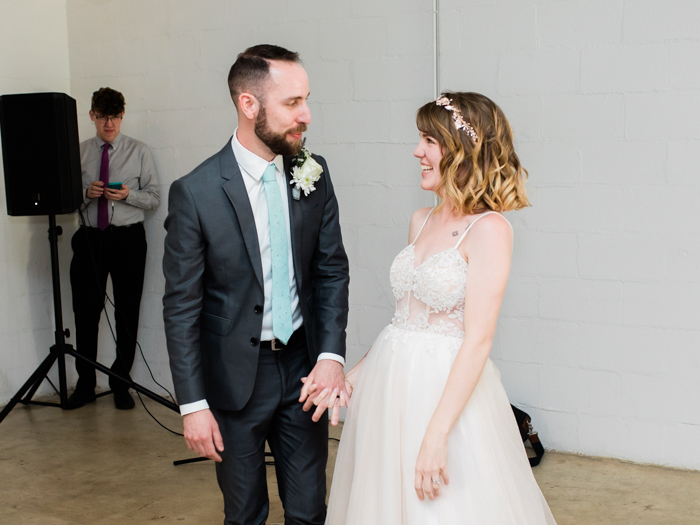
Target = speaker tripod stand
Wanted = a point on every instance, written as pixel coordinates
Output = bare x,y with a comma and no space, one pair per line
60,348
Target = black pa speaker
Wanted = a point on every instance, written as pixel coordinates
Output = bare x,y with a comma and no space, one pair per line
41,153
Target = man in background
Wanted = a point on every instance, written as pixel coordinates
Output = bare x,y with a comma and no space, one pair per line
120,183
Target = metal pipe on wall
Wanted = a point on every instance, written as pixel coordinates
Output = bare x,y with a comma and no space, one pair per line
436,60
436,48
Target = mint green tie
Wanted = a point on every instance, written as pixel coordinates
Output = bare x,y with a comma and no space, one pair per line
282,326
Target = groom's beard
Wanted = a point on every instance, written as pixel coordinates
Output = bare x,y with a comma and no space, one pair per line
277,142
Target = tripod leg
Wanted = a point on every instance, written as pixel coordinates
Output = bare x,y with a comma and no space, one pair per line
97,366
59,349
30,394
33,382
62,383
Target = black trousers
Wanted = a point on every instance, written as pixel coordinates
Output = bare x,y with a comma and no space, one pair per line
299,446
119,251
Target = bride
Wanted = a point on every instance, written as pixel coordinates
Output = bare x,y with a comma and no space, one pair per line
430,437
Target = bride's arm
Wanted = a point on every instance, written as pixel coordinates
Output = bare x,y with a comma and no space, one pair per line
416,222
350,382
489,245
354,373
351,377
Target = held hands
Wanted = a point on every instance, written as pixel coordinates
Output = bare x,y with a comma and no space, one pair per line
325,388
431,465
202,434
333,399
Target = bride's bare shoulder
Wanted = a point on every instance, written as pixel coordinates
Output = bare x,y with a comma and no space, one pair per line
419,216
490,231
417,220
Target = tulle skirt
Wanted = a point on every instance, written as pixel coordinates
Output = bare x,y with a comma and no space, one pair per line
400,384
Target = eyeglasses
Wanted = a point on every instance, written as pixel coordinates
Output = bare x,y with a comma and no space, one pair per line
102,118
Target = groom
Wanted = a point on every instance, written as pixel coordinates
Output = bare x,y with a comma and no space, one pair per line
256,298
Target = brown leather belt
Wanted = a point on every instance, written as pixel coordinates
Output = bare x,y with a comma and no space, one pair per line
297,338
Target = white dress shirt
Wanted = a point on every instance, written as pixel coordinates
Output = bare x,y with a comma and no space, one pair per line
131,163
252,168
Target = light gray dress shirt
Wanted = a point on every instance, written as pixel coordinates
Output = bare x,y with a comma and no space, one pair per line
131,163
252,168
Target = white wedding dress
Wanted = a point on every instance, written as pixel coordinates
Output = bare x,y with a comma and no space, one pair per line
400,384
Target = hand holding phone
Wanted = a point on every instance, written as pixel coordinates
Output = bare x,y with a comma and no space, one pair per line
116,191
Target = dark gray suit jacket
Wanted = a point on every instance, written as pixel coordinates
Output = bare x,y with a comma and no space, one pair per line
214,284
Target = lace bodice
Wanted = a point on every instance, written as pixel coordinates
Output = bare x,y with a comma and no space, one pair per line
430,297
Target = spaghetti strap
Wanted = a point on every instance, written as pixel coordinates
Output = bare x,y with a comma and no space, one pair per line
423,226
472,224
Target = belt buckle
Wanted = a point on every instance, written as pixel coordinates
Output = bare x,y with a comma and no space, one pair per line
273,345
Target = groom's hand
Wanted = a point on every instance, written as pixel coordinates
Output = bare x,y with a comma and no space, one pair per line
202,434
326,377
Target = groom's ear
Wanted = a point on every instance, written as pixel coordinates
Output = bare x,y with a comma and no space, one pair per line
248,105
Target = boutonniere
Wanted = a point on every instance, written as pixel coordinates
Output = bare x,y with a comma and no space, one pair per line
305,172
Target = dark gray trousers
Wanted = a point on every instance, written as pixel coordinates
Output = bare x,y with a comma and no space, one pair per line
299,446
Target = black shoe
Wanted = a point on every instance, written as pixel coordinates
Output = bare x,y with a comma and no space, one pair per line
123,400
79,398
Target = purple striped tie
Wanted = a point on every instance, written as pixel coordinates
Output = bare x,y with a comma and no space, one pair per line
102,205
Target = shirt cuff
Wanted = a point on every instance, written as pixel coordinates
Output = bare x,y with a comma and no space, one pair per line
189,408
331,356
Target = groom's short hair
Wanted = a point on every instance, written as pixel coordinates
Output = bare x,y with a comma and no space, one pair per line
252,67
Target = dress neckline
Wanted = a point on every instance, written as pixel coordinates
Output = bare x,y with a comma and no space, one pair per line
441,252
454,248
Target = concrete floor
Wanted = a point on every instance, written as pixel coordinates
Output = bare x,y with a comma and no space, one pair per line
97,465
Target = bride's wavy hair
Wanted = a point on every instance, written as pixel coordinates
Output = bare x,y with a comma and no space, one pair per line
475,173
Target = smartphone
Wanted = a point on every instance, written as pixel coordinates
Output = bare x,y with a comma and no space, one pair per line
114,185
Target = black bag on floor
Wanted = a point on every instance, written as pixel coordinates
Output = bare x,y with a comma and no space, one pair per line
527,432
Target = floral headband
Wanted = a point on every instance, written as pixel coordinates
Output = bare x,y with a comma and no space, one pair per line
460,123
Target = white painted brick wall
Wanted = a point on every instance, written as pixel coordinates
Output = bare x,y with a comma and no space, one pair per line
38,28
649,21
370,68
539,71
600,328
624,68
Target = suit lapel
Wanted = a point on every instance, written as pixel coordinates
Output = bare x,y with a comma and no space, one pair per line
295,219
238,195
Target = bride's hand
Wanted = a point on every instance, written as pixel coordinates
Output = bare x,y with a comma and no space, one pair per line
431,467
336,400
349,388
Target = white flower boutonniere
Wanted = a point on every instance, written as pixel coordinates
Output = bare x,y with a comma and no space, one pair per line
305,172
